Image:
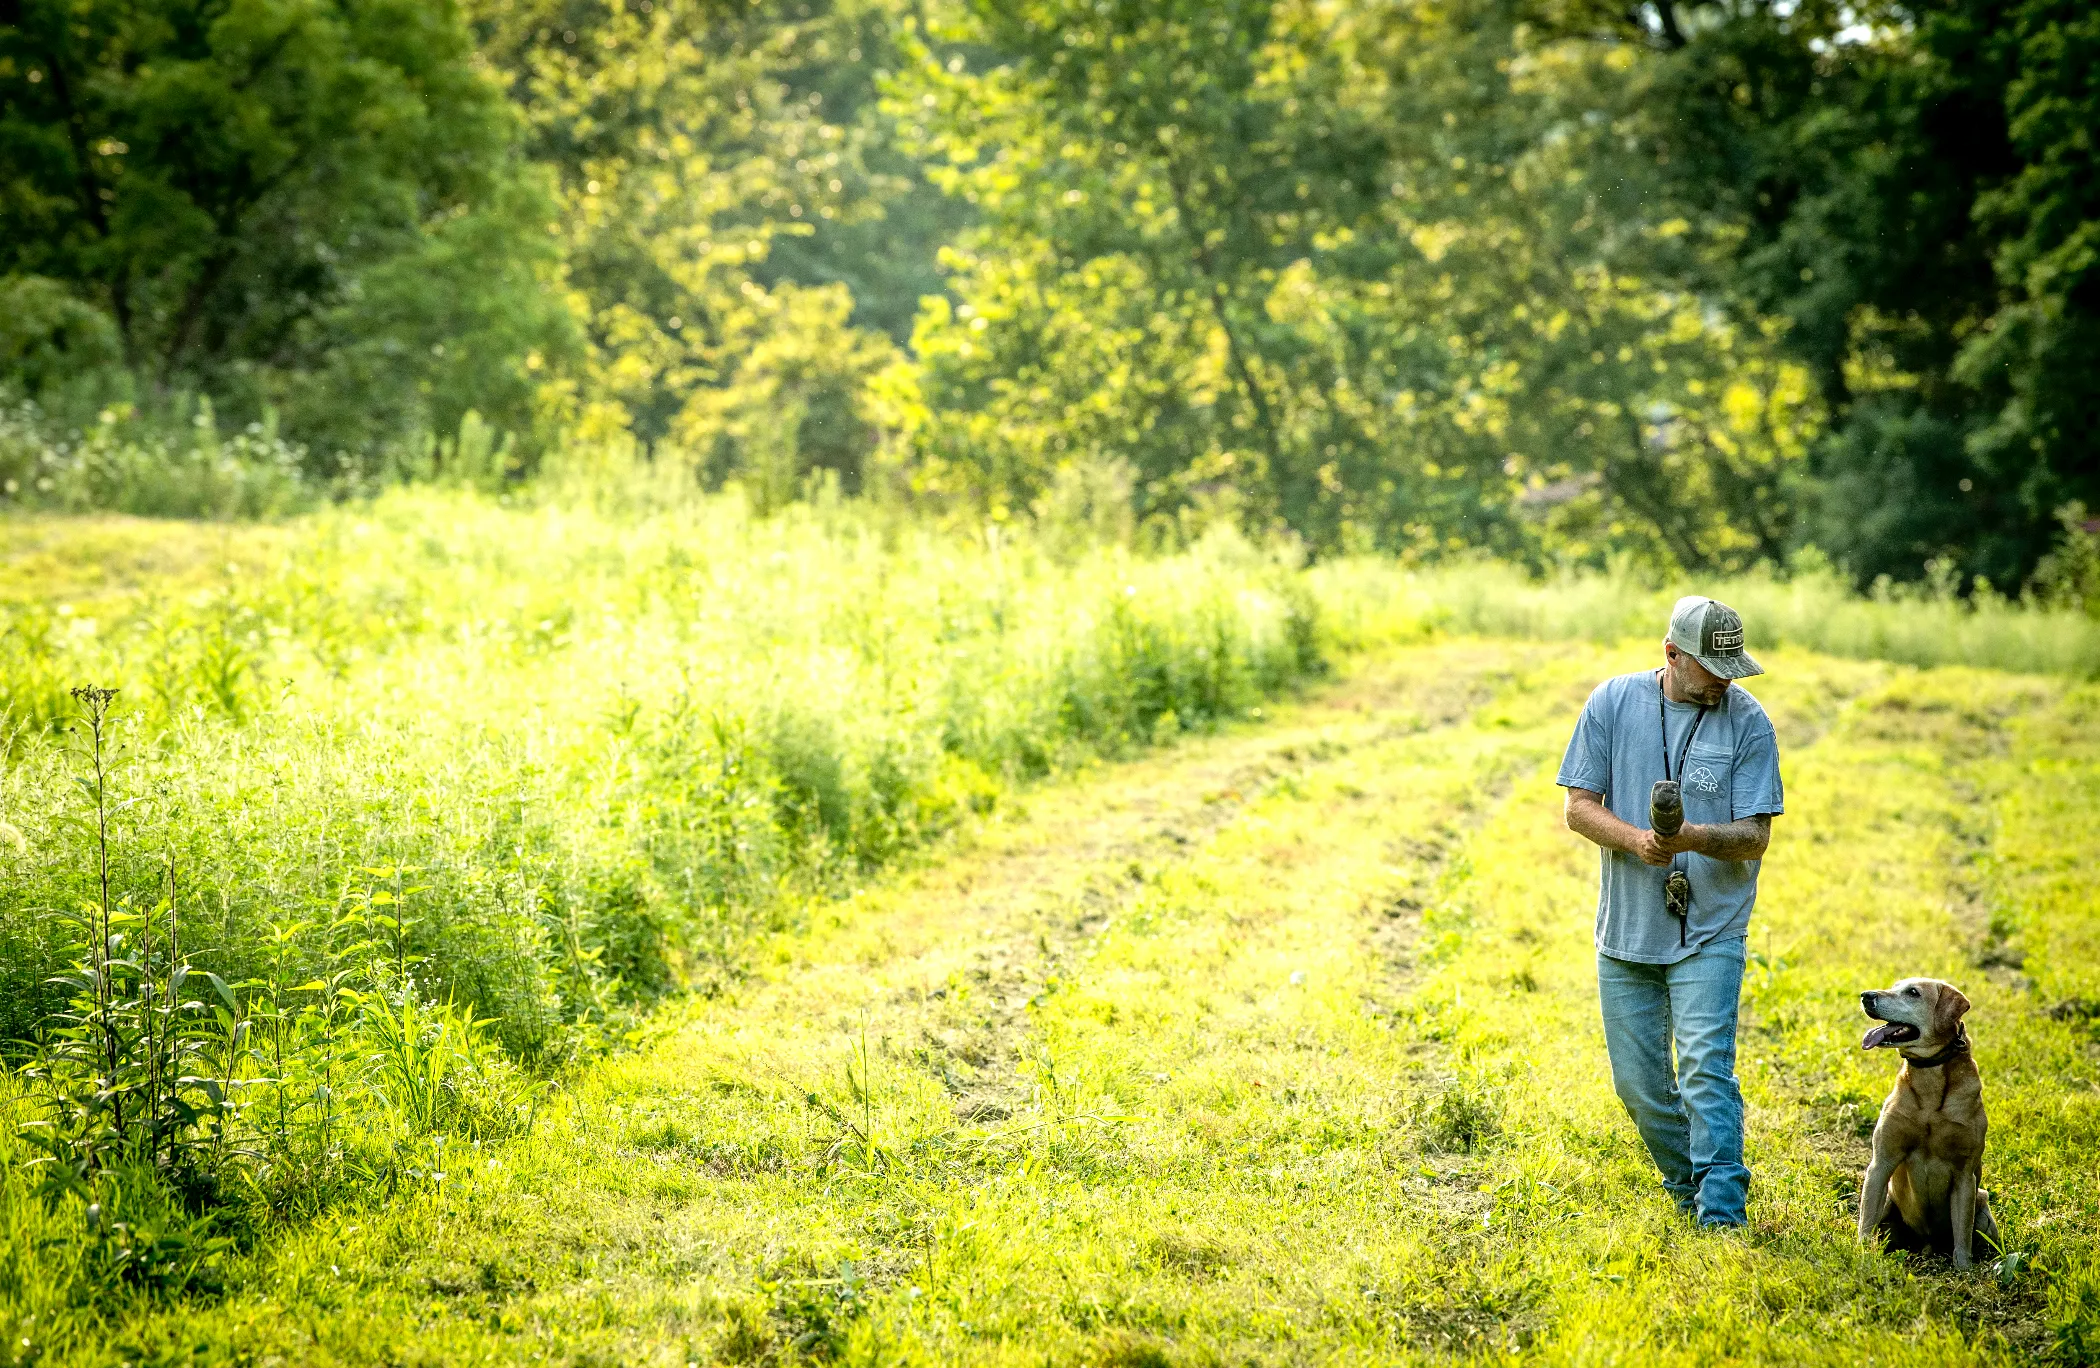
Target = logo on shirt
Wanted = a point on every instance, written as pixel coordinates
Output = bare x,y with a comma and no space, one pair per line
1702,780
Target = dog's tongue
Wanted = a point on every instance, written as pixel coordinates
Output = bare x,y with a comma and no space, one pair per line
1878,1036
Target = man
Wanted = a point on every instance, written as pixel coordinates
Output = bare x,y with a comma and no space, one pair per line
1661,976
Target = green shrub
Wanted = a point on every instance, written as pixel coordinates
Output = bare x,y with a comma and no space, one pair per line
184,468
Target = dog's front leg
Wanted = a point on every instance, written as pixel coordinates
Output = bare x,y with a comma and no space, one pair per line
1874,1196
1986,1223
1961,1215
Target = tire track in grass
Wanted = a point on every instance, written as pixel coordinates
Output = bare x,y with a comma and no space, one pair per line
754,1179
1072,886
1324,1084
913,1212
1305,1166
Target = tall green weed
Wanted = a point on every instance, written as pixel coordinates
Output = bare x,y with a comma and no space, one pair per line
613,746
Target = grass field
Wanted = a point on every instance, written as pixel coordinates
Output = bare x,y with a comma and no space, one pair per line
1273,1044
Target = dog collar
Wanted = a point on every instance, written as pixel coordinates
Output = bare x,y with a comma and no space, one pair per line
1960,1046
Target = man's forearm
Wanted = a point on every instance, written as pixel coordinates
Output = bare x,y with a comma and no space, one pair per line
1588,817
1744,839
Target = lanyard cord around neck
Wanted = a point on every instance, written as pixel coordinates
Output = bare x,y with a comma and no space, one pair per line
1663,718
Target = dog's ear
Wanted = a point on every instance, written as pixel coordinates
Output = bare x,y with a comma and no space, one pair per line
1948,1010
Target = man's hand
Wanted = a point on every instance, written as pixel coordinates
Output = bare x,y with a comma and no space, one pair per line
1587,816
1659,850
1743,840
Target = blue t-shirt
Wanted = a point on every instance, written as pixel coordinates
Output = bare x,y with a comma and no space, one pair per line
1730,772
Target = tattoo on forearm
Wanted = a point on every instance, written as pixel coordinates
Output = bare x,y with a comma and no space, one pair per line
1739,840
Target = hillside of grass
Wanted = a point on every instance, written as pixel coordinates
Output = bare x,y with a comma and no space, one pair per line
603,934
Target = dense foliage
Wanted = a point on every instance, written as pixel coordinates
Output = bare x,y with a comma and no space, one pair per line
1330,265
732,215
311,209
1691,283
1913,189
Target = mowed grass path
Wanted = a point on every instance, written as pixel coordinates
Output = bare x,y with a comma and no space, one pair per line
1281,1047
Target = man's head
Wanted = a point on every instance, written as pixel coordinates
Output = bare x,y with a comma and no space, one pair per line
1704,651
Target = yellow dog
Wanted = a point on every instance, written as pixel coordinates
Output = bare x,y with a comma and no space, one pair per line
1923,1188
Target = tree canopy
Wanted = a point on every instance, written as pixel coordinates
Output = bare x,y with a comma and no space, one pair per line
1698,284
309,206
1913,191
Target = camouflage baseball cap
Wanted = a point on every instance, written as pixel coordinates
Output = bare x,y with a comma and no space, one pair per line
1712,633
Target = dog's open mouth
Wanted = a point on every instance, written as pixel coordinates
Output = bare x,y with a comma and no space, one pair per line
1889,1033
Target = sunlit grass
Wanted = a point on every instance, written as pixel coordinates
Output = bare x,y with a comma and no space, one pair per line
1282,1047
1814,609
444,795
641,735
1279,1045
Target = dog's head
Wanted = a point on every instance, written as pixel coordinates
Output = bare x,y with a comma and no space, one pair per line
1919,1014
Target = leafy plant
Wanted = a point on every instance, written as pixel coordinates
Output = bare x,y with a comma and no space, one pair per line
381,911
2070,574
421,1051
858,1142
133,1079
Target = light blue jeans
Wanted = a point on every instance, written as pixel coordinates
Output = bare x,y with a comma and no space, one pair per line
1691,1117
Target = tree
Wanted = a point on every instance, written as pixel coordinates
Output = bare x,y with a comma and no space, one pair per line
1912,188
727,183
305,204
1154,179
1343,268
